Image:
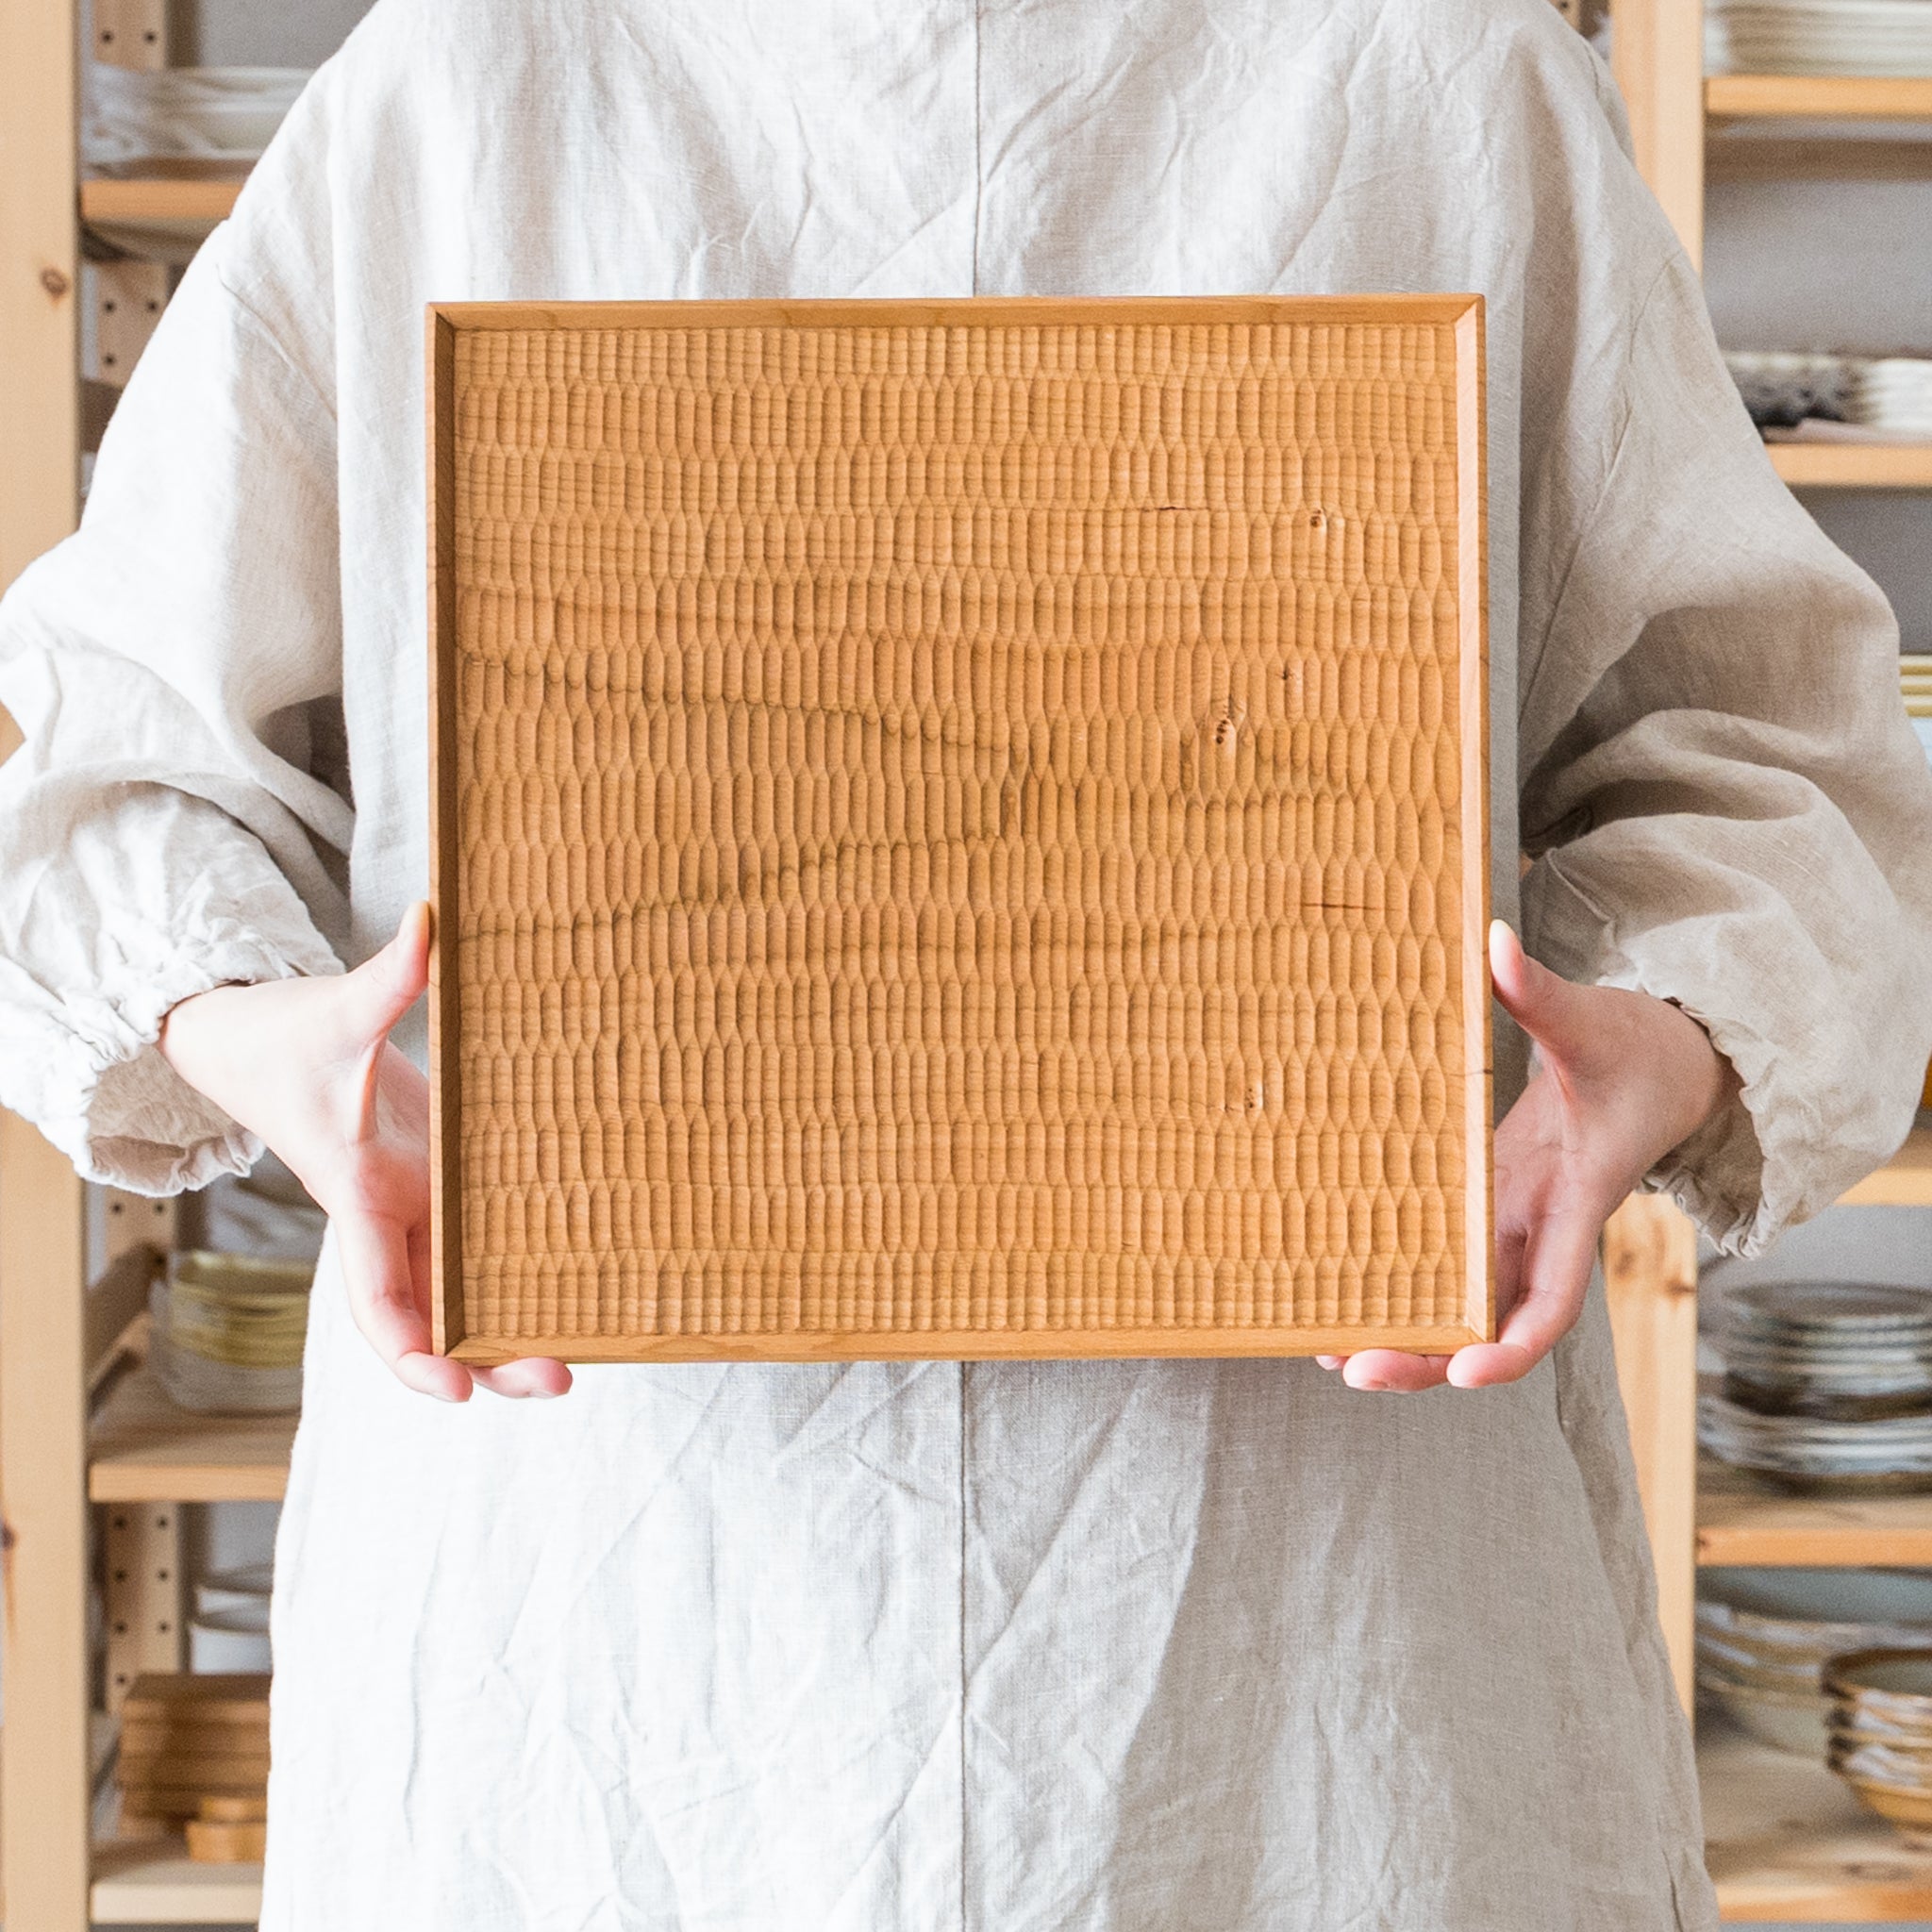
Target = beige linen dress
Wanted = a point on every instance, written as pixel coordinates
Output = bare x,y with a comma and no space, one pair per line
1135,1647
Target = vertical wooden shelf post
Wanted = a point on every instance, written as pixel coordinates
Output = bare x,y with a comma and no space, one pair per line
1657,49
128,295
44,1772
1650,1275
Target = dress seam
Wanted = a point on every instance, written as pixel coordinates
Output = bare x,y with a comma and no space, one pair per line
962,1647
978,152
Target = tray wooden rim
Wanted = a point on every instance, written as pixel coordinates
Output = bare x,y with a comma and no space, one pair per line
1464,313
956,1344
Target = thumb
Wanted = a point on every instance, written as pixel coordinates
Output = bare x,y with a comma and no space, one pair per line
388,984
1556,1014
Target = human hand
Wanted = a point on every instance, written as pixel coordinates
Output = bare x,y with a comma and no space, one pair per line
1621,1078
307,1065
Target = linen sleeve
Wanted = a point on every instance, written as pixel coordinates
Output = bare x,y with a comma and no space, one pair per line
1725,805
172,822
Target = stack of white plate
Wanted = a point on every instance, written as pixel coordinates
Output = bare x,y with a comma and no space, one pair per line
1828,1386
229,1629
219,118
1892,392
1857,398
1764,1638
1856,37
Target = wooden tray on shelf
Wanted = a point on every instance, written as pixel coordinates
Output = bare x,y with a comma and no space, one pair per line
961,829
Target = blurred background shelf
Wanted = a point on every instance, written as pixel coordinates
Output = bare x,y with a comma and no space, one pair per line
1743,1521
165,218
1853,466
143,1449
1823,97
1787,1843
154,1882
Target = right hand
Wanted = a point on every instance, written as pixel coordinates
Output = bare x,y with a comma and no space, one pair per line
307,1065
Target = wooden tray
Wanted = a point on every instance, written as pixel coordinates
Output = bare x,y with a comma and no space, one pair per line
961,829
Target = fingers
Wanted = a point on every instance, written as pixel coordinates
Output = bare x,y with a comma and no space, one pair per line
388,983
1557,1256
385,1270
1388,1371
1555,1014
388,1298
535,1375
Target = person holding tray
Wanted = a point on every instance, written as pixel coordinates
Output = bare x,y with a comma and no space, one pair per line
1120,1646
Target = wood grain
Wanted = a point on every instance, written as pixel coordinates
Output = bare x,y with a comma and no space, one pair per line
1816,96
1854,466
1657,53
1787,1843
1744,1521
44,1744
1650,1279
961,827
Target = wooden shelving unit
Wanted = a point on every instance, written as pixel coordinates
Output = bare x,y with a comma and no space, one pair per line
1787,1843
158,200
1773,126
170,217
143,1449
1854,465
1740,1520
1815,97
154,1882
82,1433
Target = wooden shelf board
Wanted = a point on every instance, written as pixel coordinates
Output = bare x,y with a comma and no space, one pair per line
1853,465
158,201
1809,96
143,1449
154,1882
1905,1180
1742,1521
1786,1841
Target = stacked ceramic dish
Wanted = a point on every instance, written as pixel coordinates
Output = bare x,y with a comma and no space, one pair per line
1915,687
1784,387
218,120
228,1331
1881,1733
229,1629
1857,37
1835,395
1827,1386
1764,1638
1891,392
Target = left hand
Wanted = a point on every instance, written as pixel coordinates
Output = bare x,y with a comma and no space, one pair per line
1620,1080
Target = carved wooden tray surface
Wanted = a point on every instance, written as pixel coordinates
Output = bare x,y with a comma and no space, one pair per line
961,829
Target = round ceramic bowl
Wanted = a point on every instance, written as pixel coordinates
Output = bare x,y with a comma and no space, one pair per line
1882,1696
1884,1678
1791,1721
1910,1811
1790,1675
